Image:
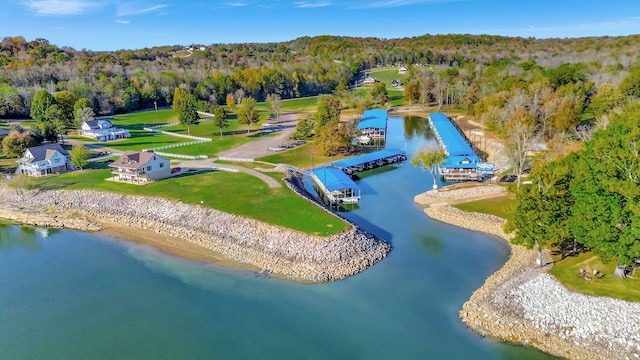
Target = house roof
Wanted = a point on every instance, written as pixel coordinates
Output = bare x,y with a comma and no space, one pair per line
44,152
133,160
98,123
373,119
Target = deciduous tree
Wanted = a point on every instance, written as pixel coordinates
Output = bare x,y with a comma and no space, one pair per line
429,159
247,113
79,156
42,100
220,118
188,112
274,105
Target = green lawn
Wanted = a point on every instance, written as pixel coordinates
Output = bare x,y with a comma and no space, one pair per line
306,156
387,75
567,269
235,193
138,120
498,206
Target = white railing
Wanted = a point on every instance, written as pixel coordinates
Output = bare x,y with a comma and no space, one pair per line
181,156
232,159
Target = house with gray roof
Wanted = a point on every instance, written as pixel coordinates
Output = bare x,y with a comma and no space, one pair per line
102,130
140,167
44,160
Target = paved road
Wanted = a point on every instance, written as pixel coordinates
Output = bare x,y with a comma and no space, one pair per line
255,149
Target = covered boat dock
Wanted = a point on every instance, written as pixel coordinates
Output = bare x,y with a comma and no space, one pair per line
462,162
336,186
373,125
370,161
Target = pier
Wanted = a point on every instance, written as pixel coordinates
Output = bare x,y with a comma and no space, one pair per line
462,162
370,161
334,181
337,187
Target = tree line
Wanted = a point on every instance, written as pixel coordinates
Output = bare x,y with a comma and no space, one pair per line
468,67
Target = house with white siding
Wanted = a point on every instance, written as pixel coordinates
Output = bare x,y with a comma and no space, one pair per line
102,130
140,167
44,160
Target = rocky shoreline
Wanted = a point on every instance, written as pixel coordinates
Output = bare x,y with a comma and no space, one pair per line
524,304
281,252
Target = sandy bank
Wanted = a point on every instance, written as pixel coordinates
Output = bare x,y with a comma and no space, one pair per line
522,303
234,239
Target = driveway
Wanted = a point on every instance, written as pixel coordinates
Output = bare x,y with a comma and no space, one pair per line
286,127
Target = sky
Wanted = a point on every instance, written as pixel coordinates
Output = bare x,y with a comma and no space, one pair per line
118,24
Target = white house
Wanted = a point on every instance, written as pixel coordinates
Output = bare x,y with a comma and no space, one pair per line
140,167
370,80
44,160
402,69
102,130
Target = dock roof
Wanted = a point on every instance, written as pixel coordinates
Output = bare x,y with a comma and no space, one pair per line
453,142
334,179
365,158
373,119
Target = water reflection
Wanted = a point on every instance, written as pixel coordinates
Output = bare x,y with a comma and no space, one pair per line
12,236
416,127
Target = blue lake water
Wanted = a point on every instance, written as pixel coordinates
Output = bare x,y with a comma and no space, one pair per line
74,295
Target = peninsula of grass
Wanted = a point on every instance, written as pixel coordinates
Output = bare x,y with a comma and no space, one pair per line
235,193
499,206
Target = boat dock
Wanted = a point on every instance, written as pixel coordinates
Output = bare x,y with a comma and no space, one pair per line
337,187
334,181
370,161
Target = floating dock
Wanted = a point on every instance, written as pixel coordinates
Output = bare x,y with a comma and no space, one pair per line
370,161
336,186
334,181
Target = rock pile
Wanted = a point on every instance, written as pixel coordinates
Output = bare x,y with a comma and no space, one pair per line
281,251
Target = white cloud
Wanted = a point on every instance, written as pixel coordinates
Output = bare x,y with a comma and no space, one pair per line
61,7
397,3
132,9
309,4
237,4
125,22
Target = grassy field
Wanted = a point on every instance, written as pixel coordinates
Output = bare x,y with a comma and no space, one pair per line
566,271
387,75
306,156
498,206
235,193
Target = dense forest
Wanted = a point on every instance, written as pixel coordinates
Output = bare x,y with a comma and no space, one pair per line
462,69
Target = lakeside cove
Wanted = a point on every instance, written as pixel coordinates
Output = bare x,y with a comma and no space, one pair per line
273,250
389,311
522,303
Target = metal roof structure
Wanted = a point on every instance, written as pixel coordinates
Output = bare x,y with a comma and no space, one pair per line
373,119
334,179
452,141
365,158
